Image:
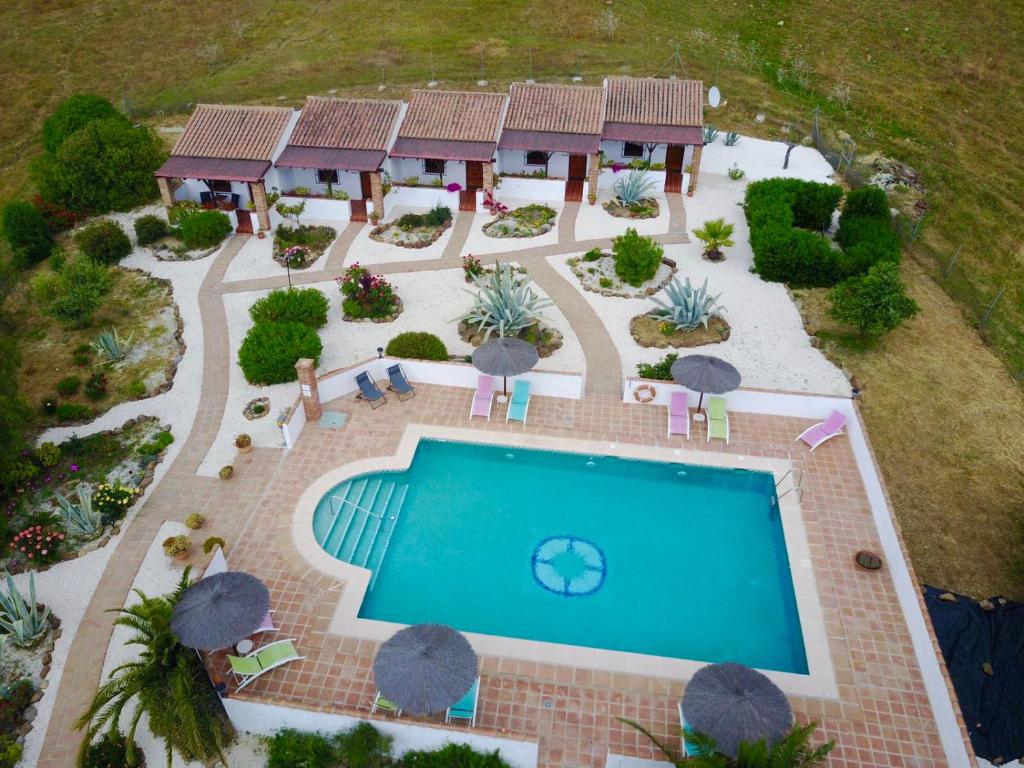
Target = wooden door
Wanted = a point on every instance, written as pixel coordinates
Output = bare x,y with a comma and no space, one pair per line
244,221
467,200
358,210
577,167
365,188
674,158
474,174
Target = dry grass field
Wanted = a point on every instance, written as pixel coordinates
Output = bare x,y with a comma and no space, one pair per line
936,85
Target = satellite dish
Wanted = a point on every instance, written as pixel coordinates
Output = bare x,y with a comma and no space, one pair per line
714,96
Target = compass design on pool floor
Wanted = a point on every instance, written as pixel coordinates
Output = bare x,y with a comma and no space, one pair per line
568,566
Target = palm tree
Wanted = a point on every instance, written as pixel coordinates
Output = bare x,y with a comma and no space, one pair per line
715,235
792,751
167,682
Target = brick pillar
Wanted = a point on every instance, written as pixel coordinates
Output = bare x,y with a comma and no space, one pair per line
377,194
694,170
595,173
259,199
166,191
306,369
488,177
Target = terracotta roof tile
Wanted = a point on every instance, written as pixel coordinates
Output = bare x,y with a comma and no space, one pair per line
236,133
555,108
453,116
654,101
345,123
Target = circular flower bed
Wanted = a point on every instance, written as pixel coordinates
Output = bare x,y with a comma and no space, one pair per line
546,340
650,331
645,208
528,221
596,273
296,257
367,297
257,408
414,230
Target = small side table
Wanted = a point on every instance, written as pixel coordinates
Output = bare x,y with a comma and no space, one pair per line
244,646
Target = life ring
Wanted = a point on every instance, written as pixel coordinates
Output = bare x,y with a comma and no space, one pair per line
645,393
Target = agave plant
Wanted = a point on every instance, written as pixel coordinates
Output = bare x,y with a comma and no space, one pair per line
80,519
21,619
687,308
716,235
732,139
505,302
110,347
633,187
710,133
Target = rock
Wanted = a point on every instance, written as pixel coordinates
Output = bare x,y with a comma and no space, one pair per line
47,657
815,342
807,141
843,136
36,696
986,605
947,597
759,117
24,729
30,713
987,669
781,24
45,671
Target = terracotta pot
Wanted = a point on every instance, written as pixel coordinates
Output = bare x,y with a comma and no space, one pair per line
867,560
182,556
245,450
261,235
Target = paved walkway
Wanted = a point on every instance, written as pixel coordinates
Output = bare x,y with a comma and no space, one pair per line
231,504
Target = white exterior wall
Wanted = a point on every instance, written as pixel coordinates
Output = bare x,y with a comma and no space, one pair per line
514,161
420,197
289,178
613,151
267,719
404,167
318,210
544,190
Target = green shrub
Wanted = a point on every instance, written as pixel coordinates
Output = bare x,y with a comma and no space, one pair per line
662,370
270,350
159,442
26,232
636,257
306,305
58,259
867,201
69,386
74,113
408,221
314,238
289,748
10,751
873,303
73,412
149,229
96,386
814,203
594,254
78,291
104,165
43,287
109,752
363,747
104,242
417,345
204,229
453,756
437,216
48,454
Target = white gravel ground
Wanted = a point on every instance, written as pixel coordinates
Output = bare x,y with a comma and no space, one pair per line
761,159
432,301
157,576
479,244
256,259
768,343
367,251
593,221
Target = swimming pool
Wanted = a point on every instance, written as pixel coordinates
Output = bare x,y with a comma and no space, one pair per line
646,557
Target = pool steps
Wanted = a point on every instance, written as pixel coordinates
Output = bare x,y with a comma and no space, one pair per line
363,517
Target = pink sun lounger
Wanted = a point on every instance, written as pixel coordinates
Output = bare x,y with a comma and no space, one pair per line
678,415
482,398
825,430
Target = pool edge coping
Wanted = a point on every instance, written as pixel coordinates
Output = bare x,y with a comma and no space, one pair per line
820,682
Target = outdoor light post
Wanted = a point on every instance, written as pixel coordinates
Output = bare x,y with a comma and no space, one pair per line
380,360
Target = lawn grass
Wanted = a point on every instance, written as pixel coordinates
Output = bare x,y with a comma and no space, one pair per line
932,84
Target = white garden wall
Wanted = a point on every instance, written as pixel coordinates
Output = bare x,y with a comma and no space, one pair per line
318,210
267,719
537,190
420,197
612,150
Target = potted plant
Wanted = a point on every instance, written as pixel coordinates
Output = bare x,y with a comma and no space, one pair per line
226,472
177,547
212,543
243,443
194,521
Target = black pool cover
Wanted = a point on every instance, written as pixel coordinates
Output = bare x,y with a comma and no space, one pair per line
984,650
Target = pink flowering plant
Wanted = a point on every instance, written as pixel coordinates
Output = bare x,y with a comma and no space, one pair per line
37,544
296,256
365,294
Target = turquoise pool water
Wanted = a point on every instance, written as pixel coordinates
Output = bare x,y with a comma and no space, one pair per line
647,557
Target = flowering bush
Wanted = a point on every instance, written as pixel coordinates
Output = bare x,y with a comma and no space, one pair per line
112,501
454,187
366,295
496,208
296,256
38,543
471,267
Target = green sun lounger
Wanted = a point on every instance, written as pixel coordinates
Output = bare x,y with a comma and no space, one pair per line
248,668
520,402
718,419
379,702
